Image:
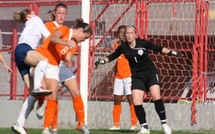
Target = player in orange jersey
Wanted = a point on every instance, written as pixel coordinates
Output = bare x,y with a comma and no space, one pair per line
58,17
122,85
55,54
5,64
67,77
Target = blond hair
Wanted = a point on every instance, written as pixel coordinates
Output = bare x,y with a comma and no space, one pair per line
21,17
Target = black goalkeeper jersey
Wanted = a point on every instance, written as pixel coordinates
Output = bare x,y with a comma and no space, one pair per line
138,57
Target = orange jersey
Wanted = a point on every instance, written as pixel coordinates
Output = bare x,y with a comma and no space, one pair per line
56,52
122,65
52,26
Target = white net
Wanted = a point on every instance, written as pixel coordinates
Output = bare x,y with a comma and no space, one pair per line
175,25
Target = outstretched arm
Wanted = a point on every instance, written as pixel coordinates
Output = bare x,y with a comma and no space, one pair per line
5,64
161,49
110,57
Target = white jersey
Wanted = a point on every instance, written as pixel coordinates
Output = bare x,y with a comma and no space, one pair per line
32,33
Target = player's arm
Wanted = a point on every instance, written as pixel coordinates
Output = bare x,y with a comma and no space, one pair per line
5,64
110,57
164,50
68,59
57,35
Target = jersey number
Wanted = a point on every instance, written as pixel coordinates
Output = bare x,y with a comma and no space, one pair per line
64,50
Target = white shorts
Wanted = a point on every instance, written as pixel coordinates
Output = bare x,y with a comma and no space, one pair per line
65,73
122,86
52,72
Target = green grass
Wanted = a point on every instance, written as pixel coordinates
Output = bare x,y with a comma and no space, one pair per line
66,131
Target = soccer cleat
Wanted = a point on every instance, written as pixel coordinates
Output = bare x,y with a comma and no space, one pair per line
54,131
114,128
166,129
133,128
83,128
39,111
144,131
41,91
18,130
46,131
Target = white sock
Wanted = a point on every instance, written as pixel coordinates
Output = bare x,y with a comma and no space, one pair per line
27,107
39,73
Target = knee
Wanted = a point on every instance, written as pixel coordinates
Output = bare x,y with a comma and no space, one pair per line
156,97
137,101
53,96
117,100
130,100
75,92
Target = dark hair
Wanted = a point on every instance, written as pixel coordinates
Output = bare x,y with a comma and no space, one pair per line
55,9
79,23
121,27
132,26
21,17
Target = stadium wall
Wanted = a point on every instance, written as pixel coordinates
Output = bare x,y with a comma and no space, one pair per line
178,117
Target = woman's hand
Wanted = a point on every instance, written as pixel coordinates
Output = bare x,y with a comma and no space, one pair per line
68,61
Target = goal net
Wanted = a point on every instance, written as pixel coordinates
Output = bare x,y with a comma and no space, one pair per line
184,80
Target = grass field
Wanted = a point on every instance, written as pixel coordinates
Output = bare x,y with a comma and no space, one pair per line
63,131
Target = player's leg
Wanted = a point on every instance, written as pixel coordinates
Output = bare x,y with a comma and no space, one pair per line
68,79
159,107
51,111
34,58
39,108
28,103
127,89
118,93
138,89
40,98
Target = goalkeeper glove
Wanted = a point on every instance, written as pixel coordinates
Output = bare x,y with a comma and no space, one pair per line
100,61
175,53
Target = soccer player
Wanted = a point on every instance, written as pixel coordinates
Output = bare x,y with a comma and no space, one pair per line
55,54
145,76
25,57
5,64
122,85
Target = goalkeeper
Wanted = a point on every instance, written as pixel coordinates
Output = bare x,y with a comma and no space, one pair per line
145,76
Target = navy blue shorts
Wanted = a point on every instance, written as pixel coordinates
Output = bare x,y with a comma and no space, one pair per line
20,54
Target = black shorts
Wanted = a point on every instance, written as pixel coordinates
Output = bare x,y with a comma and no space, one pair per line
145,81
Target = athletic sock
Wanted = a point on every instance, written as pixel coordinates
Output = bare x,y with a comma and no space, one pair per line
133,116
79,109
140,113
116,115
49,113
160,109
27,107
39,73
55,119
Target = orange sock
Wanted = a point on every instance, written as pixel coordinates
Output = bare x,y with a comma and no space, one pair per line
133,116
41,99
55,119
79,109
49,113
116,114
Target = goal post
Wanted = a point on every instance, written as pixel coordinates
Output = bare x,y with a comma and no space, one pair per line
85,8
